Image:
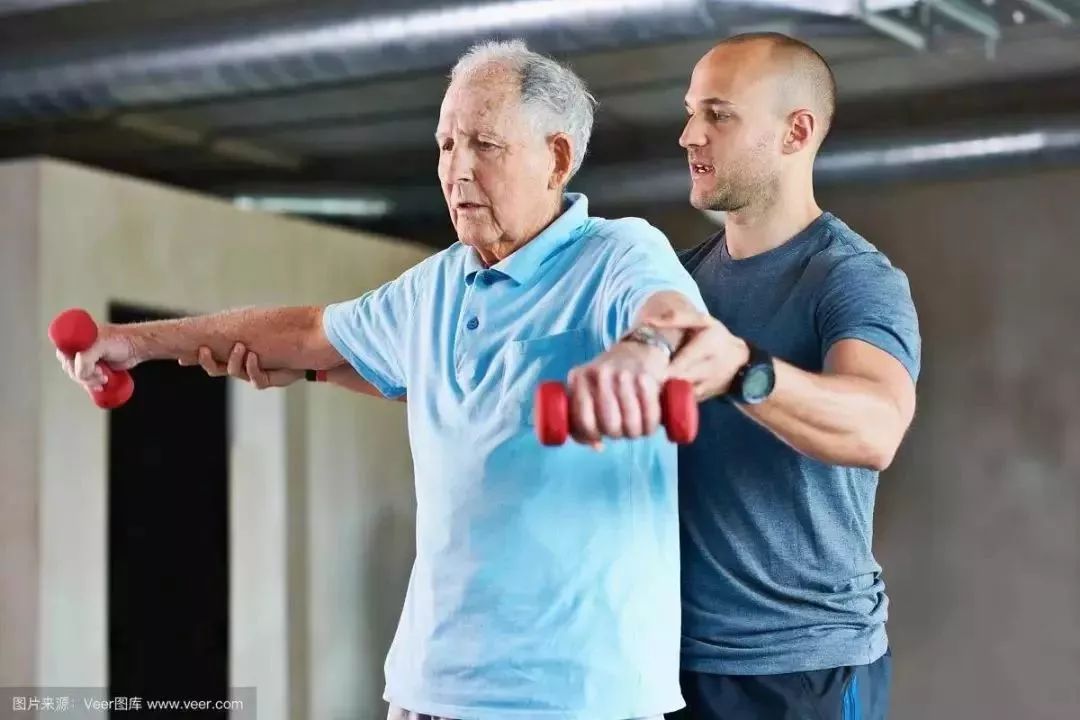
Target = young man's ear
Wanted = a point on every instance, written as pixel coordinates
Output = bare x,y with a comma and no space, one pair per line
800,131
564,159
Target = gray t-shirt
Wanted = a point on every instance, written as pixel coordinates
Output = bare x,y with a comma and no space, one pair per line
778,573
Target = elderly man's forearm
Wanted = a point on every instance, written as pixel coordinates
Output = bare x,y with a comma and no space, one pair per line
283,337
836,419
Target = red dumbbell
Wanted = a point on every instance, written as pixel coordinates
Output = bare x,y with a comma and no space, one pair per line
678,412
73,331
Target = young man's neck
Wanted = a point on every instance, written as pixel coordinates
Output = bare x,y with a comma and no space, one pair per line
753,231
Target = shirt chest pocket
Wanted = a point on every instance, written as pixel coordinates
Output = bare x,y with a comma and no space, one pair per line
532,361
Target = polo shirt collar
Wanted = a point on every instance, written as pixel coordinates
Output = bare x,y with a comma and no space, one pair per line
522,264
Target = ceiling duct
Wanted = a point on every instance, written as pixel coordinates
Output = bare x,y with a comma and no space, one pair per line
318,45
926,156
945,153
16,7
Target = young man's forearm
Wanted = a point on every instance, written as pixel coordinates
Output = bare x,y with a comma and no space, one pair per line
284,337
837,419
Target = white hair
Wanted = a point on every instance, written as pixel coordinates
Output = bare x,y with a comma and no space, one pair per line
555,98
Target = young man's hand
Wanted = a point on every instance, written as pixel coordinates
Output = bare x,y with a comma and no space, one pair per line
710,355
243,365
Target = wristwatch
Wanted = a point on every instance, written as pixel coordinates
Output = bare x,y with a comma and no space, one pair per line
755,380
648,335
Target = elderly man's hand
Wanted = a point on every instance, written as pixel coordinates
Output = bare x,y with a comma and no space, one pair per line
617,395
710,355
243,365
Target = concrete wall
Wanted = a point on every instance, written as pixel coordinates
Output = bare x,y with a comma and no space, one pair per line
978,521
20,428
321,494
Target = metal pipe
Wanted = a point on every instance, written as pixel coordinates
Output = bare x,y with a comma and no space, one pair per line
1050,10
974,20
894,28
320,45
920,157
15,7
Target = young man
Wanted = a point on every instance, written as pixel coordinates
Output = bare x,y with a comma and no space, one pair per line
806,369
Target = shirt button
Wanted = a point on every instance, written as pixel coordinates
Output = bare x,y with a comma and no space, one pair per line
473,324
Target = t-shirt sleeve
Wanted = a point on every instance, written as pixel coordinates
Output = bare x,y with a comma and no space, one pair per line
643,264
370,333
866,298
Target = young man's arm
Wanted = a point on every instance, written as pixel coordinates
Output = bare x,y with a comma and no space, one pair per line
857,410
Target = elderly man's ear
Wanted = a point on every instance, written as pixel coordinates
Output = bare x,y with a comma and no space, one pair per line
564,160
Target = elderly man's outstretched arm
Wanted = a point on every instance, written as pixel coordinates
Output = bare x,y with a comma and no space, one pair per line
286,337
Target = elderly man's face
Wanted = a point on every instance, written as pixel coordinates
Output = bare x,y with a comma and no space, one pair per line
495,169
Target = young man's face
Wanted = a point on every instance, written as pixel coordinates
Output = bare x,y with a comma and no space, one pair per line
734,130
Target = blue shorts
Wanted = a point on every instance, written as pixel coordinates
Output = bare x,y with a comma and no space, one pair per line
858,692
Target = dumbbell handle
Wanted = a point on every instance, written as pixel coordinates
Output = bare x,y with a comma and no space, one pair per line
678,412
73,331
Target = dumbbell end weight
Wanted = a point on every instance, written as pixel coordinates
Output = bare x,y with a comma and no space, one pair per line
73,331
552,414
679,411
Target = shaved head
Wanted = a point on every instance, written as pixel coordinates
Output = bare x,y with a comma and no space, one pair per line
758,107
802,76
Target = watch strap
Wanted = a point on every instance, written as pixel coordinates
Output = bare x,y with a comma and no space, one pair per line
648,335
757,357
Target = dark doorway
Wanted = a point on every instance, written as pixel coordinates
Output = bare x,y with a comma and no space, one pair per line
168,536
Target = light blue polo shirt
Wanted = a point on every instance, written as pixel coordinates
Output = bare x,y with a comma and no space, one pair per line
546,580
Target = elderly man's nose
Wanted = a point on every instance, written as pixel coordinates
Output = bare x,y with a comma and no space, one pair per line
460,165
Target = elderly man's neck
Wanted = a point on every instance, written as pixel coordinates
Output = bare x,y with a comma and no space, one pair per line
492,254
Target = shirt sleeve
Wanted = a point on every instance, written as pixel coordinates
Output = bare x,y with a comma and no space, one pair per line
642,265
370,333
867,298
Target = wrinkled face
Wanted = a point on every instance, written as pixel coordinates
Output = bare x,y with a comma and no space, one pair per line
734,132
495,168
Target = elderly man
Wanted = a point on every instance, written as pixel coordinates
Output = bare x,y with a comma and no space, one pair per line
545,583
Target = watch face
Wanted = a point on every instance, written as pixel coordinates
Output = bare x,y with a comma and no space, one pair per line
758,383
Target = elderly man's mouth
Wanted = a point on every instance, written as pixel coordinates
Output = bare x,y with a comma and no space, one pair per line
469,207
